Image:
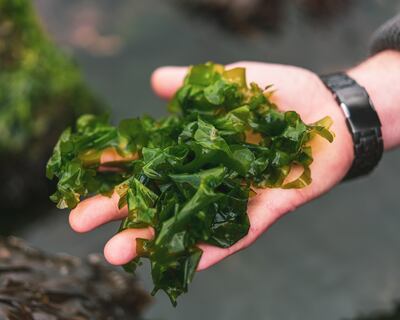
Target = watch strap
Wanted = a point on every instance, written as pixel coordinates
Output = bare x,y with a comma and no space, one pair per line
362,121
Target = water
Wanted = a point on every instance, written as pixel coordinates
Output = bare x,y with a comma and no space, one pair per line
331,259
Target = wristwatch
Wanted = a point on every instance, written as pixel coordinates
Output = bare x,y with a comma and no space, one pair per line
362,121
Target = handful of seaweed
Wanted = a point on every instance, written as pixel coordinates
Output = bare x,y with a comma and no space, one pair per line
189,176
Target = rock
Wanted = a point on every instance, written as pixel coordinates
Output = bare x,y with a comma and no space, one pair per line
38,286
42,92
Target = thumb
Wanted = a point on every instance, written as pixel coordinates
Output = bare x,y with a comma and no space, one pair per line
166,80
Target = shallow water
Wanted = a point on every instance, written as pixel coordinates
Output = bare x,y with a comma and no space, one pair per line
331,259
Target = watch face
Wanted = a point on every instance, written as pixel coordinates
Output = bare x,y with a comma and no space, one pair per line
358,108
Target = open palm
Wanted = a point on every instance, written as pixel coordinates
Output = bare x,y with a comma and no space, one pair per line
296,89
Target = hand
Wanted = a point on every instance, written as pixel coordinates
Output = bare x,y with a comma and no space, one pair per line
296,89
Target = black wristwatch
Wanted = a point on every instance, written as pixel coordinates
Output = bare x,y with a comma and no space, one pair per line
362,121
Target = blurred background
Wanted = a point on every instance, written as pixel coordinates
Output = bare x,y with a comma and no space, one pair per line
335,258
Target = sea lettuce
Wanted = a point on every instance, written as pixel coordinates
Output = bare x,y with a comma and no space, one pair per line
188,176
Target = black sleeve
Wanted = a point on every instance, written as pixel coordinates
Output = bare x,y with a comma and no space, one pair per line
387,36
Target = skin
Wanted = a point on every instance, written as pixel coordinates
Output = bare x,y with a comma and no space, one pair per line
296,89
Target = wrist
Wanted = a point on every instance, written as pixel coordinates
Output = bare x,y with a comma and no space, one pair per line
380,75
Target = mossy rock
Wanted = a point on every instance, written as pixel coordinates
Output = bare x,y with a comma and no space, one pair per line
41,92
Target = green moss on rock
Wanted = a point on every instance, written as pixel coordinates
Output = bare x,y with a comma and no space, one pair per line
41,91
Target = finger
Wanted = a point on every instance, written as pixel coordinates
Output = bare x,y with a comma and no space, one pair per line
96,211
121,248
110,155
166,80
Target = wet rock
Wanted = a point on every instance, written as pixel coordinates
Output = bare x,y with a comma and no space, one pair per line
37,286
42,92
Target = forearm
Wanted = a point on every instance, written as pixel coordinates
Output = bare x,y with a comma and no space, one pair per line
380,75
